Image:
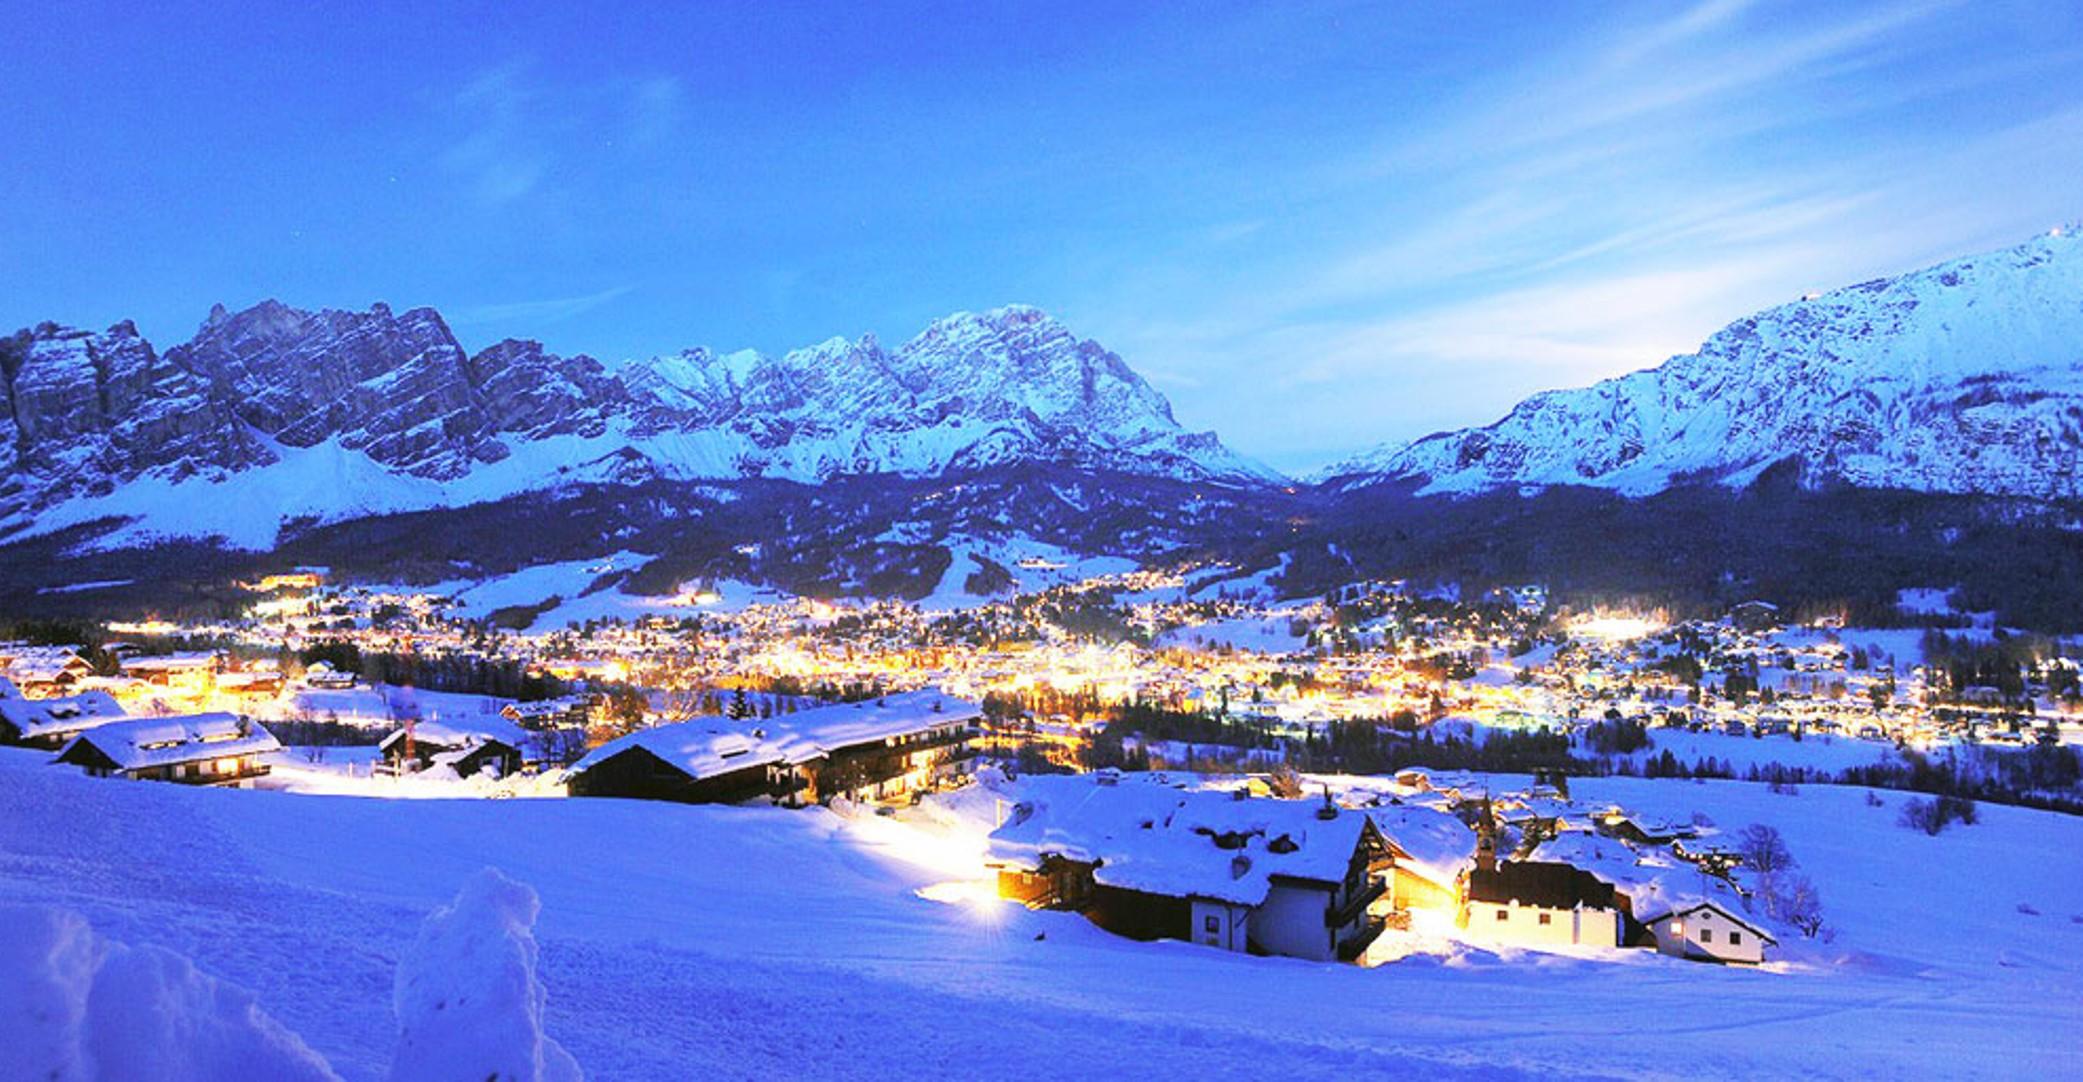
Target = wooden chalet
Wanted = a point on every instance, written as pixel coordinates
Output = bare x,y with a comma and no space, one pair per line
198,749
49,723
1140,859
44,670
490,745
322,675
879,749
168,670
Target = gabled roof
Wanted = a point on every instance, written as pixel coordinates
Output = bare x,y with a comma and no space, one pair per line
139,743
45,717
706,747
1709,903
1149,837
1540,883
1429,841
449,733
1653,879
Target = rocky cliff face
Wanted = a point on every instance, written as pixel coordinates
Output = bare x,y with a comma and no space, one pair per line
336,413
394,387
1963,378
972,390
82,412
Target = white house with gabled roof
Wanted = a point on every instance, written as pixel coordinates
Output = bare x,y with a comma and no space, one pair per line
1706,931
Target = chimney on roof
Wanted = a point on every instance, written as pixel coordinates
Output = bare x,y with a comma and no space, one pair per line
1239,864
1330,808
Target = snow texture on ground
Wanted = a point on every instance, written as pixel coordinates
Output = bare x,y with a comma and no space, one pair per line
680,942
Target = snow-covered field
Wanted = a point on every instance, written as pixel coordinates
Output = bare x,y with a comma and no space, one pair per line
1267,635
378,706
708,942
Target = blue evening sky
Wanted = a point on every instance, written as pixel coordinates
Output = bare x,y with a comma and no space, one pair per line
1314,226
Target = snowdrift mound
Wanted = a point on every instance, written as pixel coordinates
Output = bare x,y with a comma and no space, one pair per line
76,1008
469,1002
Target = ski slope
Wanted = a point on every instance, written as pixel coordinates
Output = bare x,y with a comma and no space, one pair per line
707,942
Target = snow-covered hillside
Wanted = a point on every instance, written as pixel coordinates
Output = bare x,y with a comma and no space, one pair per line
274,413
1966,377
715,942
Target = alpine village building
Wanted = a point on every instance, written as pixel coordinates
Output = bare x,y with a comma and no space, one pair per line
1286,877
49,723
199,749
877,749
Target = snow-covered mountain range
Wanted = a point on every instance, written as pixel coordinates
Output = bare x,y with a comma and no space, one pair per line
1966,377
275,413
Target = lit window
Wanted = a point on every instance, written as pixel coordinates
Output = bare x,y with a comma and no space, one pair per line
1547,918
1503,915
1677,927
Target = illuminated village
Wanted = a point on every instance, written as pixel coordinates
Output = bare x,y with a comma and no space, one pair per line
1357,777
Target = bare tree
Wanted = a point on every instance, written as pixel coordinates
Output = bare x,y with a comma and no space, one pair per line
1764,851
1791,898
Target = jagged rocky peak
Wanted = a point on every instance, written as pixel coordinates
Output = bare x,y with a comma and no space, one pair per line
81,412
1966,377
534,394
395,387
1020,358
256,389
972,389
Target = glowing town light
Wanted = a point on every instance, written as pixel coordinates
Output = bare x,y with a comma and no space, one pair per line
1614,628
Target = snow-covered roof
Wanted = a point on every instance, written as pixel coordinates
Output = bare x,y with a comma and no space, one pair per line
1433,843
1732,915
1654,881
199,659
43,717
1150,837
542,708
139,743
45,665
447,733
705,747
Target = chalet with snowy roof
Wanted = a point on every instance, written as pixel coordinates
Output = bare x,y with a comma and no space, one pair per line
490,745
199,749
44,670
568,712
193,669
558,727
1537,903
1707,931
261,683
1433,853
1616,823
878,749
322,675
49,723
1144,860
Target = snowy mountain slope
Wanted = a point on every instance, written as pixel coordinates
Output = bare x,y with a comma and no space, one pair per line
795,944
1966,377
273,414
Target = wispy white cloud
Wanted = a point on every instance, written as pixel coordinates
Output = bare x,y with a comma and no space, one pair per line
515,128
536,311
1599,209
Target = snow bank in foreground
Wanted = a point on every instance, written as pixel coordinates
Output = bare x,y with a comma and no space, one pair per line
469,1002
74,1007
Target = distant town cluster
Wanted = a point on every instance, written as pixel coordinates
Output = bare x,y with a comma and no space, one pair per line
1176,755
